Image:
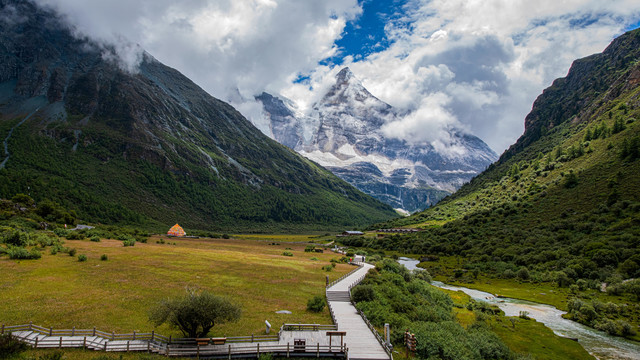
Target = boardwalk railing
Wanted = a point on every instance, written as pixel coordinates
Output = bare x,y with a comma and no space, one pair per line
239,346
345,275
287,350
388,349
308,327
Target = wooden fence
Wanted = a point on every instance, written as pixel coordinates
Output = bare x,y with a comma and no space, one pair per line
243,346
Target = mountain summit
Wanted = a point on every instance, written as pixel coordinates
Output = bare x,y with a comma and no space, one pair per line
148,145
344,133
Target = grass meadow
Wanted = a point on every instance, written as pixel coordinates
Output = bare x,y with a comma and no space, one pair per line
116,294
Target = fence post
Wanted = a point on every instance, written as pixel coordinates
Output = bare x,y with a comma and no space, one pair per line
169,339
287,349
197,351
134,334
60,344
229,352
318,352
36,344
127,345
2,332
94,331
251,337
50,331
30,325
73,331
113,335
258,347
149,346
153,334
84,342
105,344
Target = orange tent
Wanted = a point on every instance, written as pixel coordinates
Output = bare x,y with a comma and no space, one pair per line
176,230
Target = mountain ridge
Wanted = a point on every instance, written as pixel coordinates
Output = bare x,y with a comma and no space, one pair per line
345,133
149,146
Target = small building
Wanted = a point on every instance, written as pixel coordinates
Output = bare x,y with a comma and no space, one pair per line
176,230
352,233
398,231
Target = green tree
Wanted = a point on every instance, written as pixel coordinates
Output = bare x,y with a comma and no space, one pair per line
195,313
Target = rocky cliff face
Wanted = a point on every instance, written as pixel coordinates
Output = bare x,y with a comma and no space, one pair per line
147,142
347,138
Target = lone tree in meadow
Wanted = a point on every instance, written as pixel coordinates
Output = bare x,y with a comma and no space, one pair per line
195,313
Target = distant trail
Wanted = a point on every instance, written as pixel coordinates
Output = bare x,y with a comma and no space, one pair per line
6,140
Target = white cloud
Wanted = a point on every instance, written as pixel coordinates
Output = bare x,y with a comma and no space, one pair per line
490,58
475,65
222,45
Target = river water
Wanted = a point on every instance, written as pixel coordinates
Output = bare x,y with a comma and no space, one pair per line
597,343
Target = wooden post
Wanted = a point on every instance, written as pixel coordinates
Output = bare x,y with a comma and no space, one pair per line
229,352
153,334
50,331
30,325
287,349
258,347
2,332
94,331
251,337
84,342
134,334
113,335
73,331
318,352
149,345
127,345
60,344
36,344
105,345
169,339
197,351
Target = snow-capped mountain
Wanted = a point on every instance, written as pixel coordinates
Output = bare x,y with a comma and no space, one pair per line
344,133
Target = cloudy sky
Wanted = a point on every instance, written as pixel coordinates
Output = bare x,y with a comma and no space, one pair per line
471,64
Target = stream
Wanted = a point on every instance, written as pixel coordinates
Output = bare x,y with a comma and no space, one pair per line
597,343
5,143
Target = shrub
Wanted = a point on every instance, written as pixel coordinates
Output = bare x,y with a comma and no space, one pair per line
9,346
316,304
309,248
225,236
72,252
363,293
195,313
314,259
75,235
20,253
95,238
327,268
523,274
287,253
82,257
129,242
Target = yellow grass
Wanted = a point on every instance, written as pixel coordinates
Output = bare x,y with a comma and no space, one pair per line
115,295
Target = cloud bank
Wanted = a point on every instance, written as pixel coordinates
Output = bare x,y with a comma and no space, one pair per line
470,65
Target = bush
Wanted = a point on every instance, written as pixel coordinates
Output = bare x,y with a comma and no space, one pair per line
9,346
129,242
72,252
316,304
314,259
20,253
363,293
82,257
104,257
195,313
95,238
287,253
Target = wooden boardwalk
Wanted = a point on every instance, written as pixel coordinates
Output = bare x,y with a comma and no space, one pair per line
360,340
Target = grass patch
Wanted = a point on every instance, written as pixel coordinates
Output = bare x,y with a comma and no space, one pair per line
115,295
532,338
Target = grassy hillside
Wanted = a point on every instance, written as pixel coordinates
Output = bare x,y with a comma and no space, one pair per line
148,147
562,205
